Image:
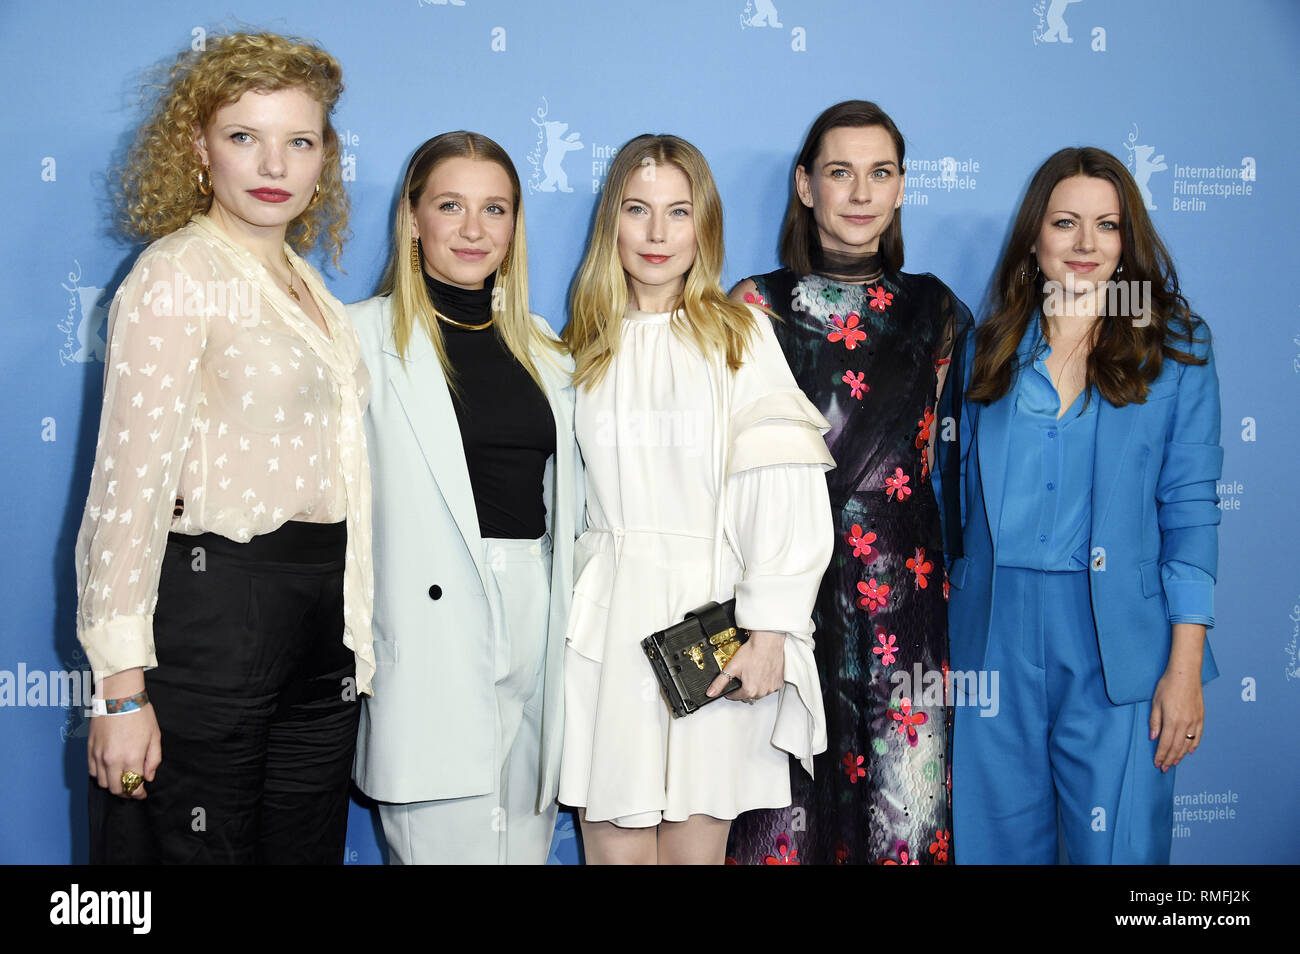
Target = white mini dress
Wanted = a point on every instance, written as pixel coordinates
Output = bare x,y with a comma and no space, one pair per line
658,433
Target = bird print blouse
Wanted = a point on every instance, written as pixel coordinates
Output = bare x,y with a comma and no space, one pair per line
226,409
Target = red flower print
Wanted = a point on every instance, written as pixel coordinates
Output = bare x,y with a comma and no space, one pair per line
841,853
927,419
897,484
752,299
846,330
908,720
887,646
904,858
874,595
919,565
947,685
946,585
853,766
880,299
940,362
939,847
854,381
925,466
785,855
861,543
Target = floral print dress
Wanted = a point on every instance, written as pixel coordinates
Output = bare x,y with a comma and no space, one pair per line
868,356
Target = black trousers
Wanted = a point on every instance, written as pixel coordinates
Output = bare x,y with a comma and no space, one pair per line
255,697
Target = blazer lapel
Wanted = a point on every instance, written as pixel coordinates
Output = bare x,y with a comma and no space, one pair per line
422,388
993,445
1114,433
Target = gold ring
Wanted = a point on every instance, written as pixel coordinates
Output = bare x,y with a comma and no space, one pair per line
131,781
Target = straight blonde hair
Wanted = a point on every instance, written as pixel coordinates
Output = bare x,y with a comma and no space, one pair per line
405,284
703,312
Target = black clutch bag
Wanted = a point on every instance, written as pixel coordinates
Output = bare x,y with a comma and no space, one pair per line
689,655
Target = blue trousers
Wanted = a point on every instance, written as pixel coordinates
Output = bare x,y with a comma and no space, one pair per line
1056,752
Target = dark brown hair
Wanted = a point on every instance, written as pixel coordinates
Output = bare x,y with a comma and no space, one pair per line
1126,355
799,238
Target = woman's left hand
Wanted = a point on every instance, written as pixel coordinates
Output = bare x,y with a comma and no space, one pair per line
759,665
1177,711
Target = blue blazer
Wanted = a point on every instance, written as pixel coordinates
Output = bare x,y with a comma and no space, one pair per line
1154,500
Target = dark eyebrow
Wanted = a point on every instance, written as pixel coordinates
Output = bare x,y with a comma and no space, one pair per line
878,164
1076,214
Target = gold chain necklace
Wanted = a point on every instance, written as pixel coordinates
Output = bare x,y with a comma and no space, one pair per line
461,324
292,292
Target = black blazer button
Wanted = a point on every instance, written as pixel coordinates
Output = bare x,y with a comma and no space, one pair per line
435,592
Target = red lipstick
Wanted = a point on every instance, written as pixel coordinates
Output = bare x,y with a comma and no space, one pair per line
270,195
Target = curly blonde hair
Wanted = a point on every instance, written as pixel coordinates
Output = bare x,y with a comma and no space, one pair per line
158,189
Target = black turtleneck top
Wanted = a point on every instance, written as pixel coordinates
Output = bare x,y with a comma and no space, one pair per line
505,420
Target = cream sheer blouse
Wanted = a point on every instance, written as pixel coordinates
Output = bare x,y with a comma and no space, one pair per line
220,391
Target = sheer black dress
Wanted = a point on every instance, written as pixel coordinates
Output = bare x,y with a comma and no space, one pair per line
869,356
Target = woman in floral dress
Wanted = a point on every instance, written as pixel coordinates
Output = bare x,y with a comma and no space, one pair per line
871,348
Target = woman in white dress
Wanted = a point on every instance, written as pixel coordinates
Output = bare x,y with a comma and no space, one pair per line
705,473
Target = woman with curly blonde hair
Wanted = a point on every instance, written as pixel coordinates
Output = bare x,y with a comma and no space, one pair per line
223,563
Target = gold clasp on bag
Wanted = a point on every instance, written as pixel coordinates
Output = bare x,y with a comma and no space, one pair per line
727,644
696,655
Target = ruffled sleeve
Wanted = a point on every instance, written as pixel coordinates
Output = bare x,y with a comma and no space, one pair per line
772,422
780,520
779,517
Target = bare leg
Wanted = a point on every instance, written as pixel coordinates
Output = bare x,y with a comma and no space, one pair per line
606,844
700,840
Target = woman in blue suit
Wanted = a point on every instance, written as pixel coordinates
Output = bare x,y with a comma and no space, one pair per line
1078,610
477,495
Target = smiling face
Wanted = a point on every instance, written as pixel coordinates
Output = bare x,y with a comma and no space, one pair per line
464,219
265,152
853,188
656,235
1079,242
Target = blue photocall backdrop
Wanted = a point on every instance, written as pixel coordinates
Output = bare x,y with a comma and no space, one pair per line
1197,96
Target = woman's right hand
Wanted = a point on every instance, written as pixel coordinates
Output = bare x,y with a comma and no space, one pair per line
127,742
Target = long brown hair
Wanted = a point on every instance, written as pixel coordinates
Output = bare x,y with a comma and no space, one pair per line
157,190
705,314
1126,355
412,306
799,237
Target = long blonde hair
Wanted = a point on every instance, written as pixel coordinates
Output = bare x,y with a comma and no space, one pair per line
703,312
405,284
158,192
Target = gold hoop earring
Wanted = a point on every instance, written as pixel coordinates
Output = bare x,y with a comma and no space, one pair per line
314,196
205,181
415,257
